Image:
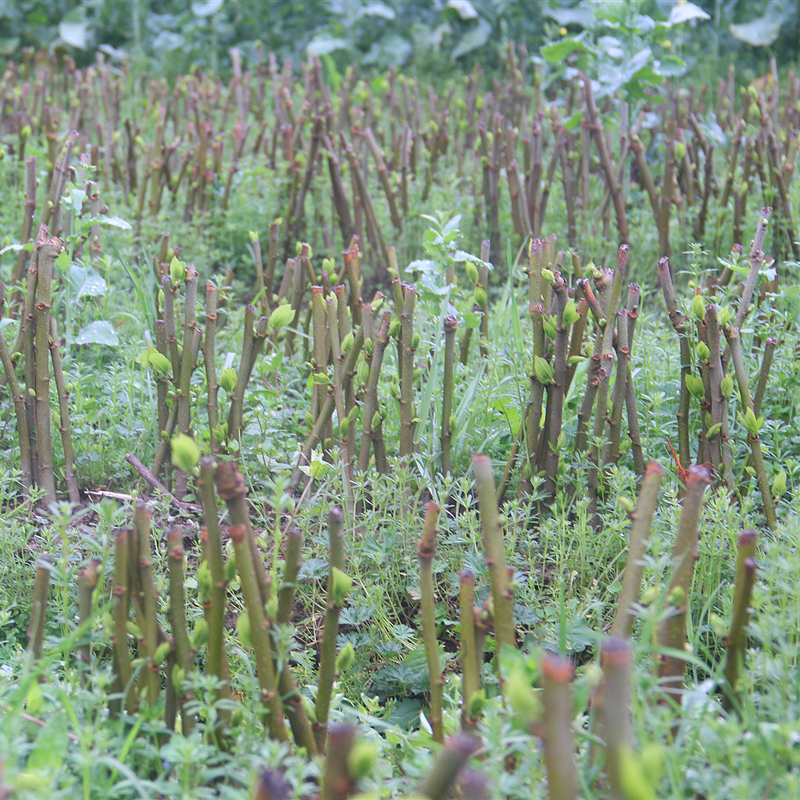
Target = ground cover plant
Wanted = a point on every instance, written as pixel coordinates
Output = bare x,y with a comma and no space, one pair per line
477,477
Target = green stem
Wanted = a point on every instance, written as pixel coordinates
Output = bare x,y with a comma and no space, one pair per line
642,520
260,633
735,348
495,552
63,414
736,644
672,630
559,748
330,631
470,669
177,616
426,551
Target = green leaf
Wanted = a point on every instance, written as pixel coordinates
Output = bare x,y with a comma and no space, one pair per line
684,12
472,39
560,50
323,45
74,29
463,8
207,8
86,282
377,10
99,332
115,222
763,31
581,15
51,745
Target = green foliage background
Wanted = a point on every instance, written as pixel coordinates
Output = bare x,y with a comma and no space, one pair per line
430,36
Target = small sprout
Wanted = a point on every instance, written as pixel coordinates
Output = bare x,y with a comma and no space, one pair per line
309,420
178,677
345,659
221,432
360,760
280,317
677,597
415,341
452,423
549,276
476,704
328,264
703,353
521,697
650,595
230,568
571,315
253,237
549,325
698,308
185,453
227,380
627,504
200,634
134,629
342,584
244,631
713,430
694,383
480,296
363,372
751,423
347,343
321,379
394,328
369,347
726,386
159,363
543,370
204,581
177,270
472,271
779,484
376,420
161,653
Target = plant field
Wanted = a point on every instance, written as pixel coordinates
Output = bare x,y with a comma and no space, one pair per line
404,438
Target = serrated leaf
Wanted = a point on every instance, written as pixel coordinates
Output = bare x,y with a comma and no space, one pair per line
99,332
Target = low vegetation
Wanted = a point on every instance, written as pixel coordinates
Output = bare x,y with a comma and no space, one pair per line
404,439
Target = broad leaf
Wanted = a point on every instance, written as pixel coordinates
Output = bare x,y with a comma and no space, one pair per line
377,10
74,29
463,8
764,30
50,748
683,13
86,282
581,15
115,222
560,50
322,45
472,39
99,332
207,8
